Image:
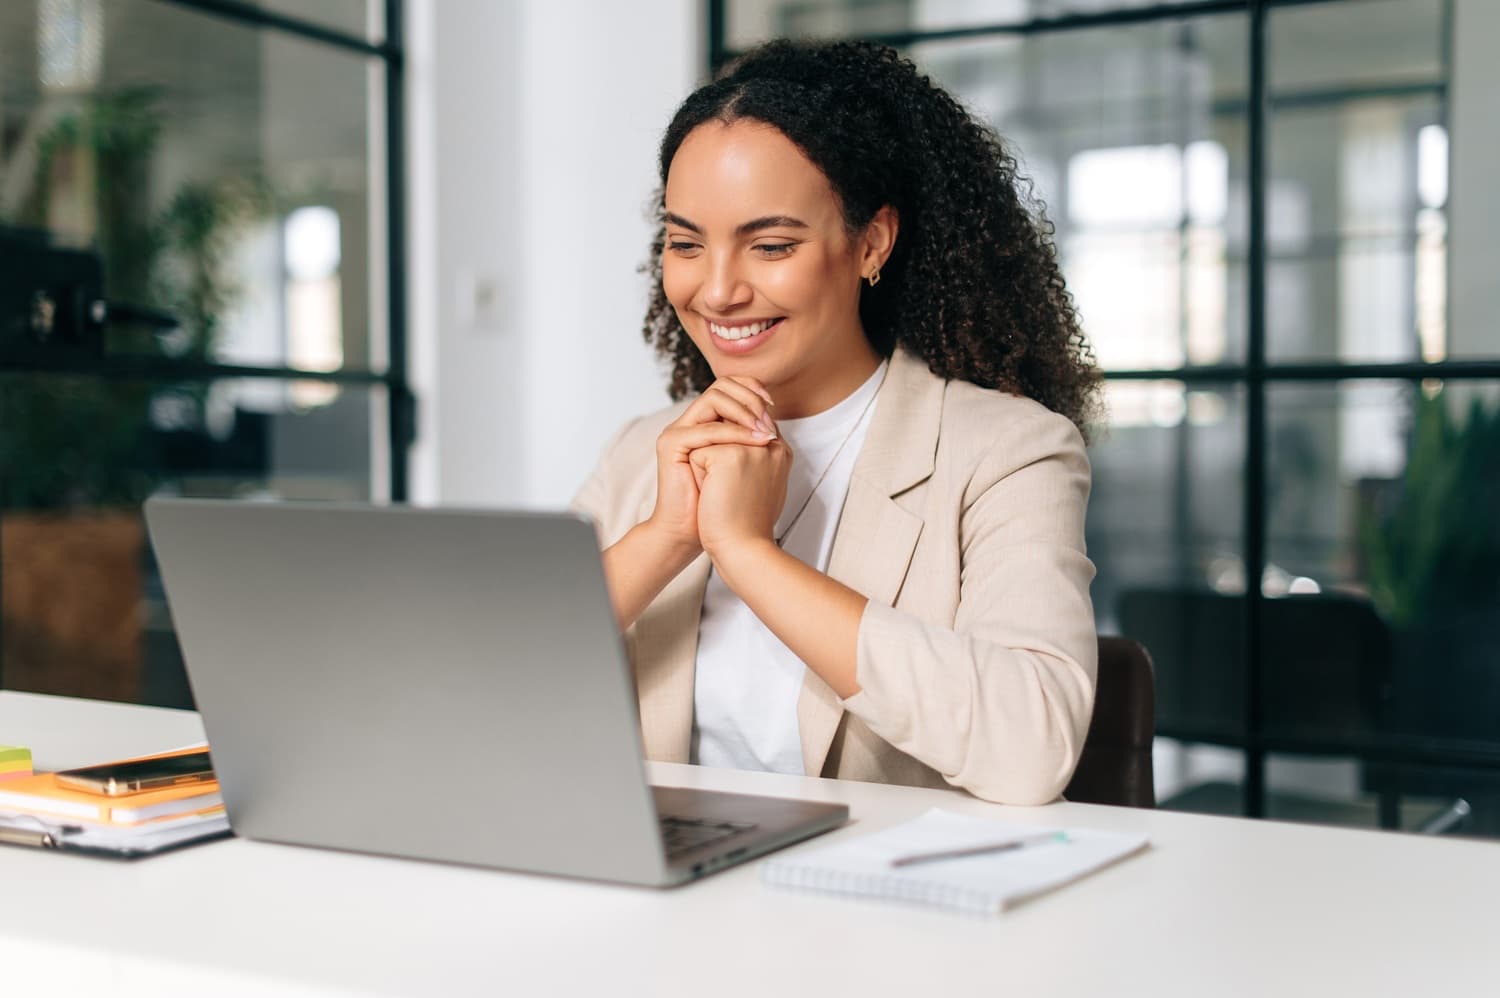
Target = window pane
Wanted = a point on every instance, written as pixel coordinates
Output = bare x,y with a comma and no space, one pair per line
1203,779
1357,219
359,18
751,21
1345,790
1386,493
82,610
748,22
223,171
1356,265
1135,137
1385,563
1371,43
1164,531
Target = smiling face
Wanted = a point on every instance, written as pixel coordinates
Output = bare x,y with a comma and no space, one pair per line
761,268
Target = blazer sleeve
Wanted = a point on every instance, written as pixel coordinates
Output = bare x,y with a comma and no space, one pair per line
999,703
597,499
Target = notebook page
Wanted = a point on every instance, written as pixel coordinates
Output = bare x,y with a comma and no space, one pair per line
986,883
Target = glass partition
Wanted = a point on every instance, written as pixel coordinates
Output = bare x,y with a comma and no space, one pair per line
194,299
1279,226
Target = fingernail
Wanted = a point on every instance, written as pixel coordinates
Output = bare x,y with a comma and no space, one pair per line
765,426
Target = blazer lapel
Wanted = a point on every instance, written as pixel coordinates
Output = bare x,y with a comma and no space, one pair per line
873,546
666,642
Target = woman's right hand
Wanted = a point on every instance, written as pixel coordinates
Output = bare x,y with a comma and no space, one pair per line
730,411
639,565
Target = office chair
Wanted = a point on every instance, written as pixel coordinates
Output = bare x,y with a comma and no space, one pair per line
1115,767
1326,673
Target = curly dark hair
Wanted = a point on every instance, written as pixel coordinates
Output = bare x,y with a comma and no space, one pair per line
972,285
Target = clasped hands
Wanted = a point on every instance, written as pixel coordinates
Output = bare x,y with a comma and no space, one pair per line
721,478
721,472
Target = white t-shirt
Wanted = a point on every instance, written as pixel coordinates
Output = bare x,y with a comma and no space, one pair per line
747,682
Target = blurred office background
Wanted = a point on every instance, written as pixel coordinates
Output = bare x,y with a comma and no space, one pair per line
374,249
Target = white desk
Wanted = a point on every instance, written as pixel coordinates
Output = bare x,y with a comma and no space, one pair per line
1216,907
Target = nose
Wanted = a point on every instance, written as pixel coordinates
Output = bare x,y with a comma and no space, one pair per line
724,287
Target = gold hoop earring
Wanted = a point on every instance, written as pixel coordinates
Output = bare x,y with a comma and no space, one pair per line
874,277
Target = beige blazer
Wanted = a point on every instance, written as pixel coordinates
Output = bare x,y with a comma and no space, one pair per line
964,528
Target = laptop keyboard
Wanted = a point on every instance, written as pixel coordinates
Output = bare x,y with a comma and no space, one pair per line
683,835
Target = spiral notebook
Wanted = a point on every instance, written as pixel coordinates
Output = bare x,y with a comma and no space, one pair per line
1003,863
103,839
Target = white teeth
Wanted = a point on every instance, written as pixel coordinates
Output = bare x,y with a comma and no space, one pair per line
739,332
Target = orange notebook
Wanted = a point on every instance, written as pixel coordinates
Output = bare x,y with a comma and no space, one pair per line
41,795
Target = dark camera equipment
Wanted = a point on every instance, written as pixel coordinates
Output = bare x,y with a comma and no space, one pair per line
51,299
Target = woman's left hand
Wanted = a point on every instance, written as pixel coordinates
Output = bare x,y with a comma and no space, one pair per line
741,491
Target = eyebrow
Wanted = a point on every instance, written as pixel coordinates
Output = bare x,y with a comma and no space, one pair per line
745,228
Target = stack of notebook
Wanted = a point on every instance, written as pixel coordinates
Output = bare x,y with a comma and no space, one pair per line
37,810
15,762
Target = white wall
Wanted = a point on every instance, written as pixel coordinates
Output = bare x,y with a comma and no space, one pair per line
532,137
1474,221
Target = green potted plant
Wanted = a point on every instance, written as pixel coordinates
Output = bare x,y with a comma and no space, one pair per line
1431,554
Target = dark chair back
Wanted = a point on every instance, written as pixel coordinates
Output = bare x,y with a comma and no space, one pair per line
1115,767
1326,663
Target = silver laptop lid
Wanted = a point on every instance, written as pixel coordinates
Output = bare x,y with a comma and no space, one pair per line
438,684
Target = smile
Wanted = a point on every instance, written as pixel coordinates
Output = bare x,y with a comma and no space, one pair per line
741,330
739,338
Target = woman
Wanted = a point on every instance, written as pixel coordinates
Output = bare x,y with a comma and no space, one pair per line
854,548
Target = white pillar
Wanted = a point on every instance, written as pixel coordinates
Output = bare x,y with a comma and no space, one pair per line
531,146
1474,200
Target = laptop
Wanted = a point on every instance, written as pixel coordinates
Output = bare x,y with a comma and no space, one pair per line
436,684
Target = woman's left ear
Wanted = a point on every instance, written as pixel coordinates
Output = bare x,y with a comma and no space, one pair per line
879,240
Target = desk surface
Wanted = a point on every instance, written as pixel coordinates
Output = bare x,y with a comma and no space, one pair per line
1217,906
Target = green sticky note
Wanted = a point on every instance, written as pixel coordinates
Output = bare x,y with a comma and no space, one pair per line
14,753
